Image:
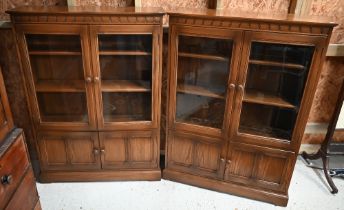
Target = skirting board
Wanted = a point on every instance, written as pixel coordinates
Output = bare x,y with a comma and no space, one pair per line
279,199
103,175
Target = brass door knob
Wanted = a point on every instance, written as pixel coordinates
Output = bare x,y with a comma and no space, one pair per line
88,79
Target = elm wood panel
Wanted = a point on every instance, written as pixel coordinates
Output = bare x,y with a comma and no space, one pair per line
109,52
6,120
103,175
278,64
82,32
156,32
202,56
277,198
253,96
129,150
26,195
60,86
69,151
195,154
62,53
88,15
124,86
14,161
238,16
259,166
319,43
197,90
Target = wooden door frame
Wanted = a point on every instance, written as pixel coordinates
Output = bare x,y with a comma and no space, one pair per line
175,31
319,42
21,30
156,32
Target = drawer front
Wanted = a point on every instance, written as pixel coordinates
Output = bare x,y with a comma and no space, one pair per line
26,195
12,166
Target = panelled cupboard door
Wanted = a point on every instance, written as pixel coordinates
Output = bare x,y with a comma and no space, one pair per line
129,150
56,64
275,88
202,76
259,166
196,155
69,151
127,76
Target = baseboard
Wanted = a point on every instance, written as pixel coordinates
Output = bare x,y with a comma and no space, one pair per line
309,148
102,175
279,199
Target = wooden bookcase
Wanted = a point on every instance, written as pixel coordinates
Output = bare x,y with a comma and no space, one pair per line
240,91
93,82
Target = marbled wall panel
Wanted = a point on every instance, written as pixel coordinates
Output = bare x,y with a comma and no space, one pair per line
9,4
332,73
169,5
261,6
109,3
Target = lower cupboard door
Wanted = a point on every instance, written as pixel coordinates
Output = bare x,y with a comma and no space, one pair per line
261,167
69,150
129,150
196,155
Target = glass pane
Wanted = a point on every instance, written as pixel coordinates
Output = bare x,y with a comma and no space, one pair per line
126,77
200,110
274,87
62,107
126,67
124,107
57,69
43,42
203,71
270,121
125,43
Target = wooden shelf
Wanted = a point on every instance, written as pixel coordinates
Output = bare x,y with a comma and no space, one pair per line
273,63
252,96
53,53
60,86
124,118
197,90
124,53
202,56
125,86
65,118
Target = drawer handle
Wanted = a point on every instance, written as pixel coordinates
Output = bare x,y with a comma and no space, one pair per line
6,179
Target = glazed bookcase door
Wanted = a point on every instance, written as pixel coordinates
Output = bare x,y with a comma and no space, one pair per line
56,63
272,107
201,78
126,76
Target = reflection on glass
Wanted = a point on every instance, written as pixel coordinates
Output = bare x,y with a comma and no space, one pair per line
203,70
126,77
125,43
200,110
124,107
44,42
62,107
57,69
275,82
